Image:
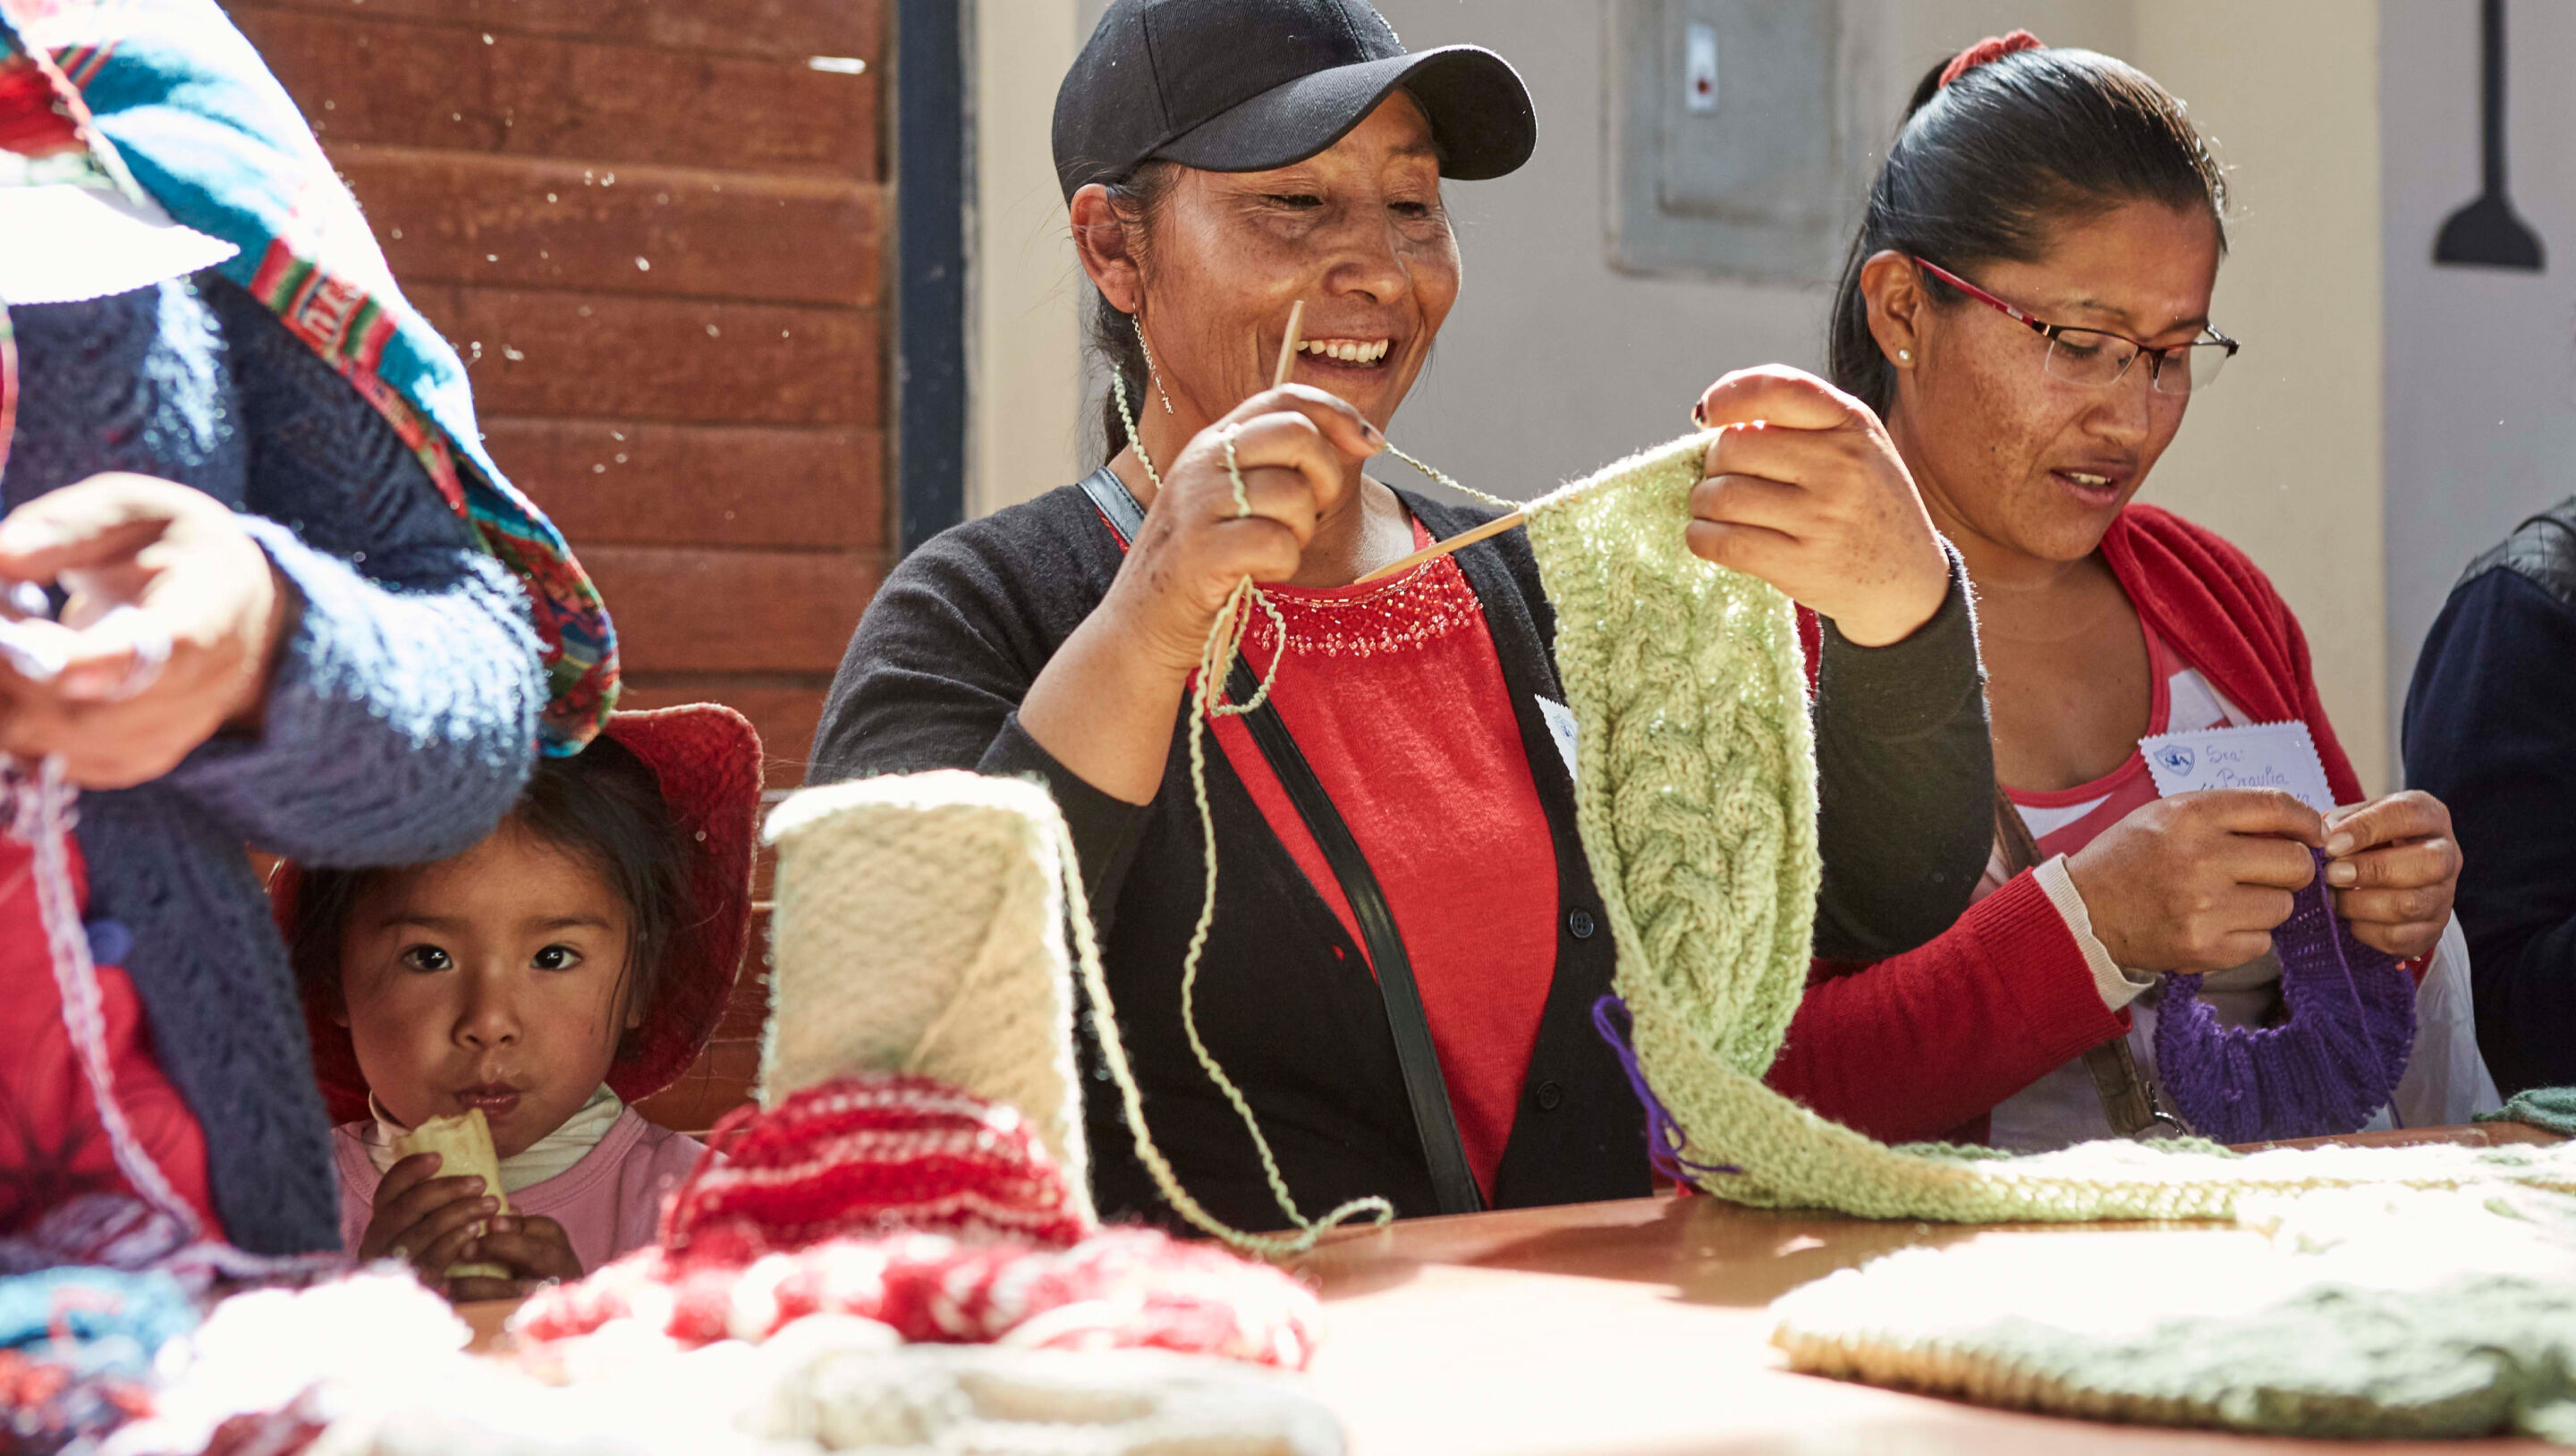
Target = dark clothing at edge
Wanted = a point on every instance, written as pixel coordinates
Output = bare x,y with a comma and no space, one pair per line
2491,731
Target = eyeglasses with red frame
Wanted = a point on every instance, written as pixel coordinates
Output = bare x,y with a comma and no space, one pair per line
2098,357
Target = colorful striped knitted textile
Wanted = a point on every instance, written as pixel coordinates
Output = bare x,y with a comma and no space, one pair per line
176,100
861,1155
1696,803
935,1212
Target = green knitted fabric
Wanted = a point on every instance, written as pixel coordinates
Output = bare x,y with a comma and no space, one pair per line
1696,782
2425,1316
2553,1108
1696,803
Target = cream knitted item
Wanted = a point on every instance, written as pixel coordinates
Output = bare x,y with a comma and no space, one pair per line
1696,803
918,929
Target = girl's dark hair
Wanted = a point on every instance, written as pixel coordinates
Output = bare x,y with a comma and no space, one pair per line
1984,168
604,807
1135,198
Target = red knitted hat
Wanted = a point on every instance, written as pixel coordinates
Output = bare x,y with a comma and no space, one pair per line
871,1154
706,759
1992,48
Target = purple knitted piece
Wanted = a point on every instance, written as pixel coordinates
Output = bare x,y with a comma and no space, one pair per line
2326,1069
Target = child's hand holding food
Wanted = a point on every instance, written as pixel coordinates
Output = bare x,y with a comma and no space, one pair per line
534,1250
426,1220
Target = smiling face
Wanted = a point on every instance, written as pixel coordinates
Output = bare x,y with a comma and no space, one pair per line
495,979
1357,231
2009,457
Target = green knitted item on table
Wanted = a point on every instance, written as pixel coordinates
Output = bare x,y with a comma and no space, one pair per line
2275,1331
2552,1108
1696,800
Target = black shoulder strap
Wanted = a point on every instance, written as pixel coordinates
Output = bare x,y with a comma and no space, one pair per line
1451,1179
1111,495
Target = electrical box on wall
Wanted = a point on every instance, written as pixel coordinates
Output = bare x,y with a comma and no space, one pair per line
1732,138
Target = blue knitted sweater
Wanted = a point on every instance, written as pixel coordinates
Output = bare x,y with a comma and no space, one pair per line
400,722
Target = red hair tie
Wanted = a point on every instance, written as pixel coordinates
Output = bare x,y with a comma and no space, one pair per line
1992,48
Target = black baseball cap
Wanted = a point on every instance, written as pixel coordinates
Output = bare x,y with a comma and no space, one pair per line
1246,85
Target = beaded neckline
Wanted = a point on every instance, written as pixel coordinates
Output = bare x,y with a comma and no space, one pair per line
1406,612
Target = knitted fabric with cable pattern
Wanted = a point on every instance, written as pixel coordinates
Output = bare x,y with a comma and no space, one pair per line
1696,803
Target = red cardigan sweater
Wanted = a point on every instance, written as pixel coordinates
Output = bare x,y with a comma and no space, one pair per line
1924,1045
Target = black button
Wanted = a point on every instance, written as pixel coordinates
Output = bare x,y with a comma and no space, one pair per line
1580,922
1549,1096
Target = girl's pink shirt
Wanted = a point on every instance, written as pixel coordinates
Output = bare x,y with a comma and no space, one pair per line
609,1203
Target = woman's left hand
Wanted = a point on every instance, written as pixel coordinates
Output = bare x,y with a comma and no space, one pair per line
1804,489
2394,868
170,634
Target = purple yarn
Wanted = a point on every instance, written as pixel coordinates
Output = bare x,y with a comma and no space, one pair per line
2335,1061
1664,1137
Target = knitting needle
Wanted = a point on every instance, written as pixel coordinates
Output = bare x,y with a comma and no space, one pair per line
1288,346
1437,549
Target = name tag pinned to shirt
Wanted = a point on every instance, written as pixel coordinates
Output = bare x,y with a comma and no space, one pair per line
1560,726
2255,756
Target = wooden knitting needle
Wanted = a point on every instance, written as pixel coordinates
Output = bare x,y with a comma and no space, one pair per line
1495,527
1288,345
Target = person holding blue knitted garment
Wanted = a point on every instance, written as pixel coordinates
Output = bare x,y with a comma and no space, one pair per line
264,589
2027,302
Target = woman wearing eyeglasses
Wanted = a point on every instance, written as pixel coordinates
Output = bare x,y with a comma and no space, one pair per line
2027,306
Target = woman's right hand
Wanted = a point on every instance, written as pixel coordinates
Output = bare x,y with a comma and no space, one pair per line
425,1220
2197,882
1295,446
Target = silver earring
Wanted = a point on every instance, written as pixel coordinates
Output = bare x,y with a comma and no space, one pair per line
1151,372
1905,356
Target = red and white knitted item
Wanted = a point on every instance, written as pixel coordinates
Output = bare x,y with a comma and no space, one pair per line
870,1155
1118,1289
934,1211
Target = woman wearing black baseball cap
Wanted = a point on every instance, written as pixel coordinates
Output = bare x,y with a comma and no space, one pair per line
1406,945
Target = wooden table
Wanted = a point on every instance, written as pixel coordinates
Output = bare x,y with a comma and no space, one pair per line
1638,1328
1624,1329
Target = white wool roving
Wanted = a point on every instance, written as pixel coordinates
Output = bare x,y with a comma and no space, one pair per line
918,928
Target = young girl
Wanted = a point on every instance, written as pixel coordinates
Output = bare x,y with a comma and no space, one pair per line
571,963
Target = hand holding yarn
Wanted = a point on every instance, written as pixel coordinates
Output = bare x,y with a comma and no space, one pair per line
2197,882
1295,447
2394,867
1804,489
170,634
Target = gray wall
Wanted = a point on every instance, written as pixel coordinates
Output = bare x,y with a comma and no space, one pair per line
2481,365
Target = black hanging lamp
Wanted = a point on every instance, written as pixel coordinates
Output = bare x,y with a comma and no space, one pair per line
2486,233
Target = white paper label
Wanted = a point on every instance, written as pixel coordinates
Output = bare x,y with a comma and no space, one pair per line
1560,726
2256,756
